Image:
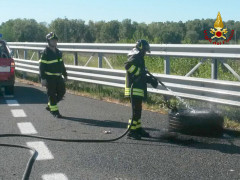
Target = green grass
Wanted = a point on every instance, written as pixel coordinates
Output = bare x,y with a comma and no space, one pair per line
232,124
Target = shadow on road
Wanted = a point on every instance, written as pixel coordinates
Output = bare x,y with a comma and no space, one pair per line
101,123
29,95
222,145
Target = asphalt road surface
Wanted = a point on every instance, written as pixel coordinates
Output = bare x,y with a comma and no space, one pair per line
181,157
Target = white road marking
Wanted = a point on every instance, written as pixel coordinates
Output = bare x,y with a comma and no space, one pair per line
26,128
18,113
54,176
43,151
12,102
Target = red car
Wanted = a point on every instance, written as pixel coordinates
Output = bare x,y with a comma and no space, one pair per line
7,69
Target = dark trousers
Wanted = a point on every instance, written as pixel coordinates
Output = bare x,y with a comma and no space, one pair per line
55,91
137,112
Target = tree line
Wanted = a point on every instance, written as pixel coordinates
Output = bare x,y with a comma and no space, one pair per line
126,31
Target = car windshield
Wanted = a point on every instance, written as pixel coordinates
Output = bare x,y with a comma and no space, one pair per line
3,51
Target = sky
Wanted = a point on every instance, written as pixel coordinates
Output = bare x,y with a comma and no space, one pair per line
146,11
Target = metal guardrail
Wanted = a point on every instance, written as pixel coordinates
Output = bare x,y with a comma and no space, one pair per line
217,54
217,91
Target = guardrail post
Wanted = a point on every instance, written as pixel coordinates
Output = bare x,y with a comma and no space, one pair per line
39,55
166,65
75,59
25,54
17,54
214,69
99,60
25,57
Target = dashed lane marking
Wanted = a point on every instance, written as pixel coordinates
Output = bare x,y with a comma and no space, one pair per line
18,113
12,102
54,176
26,128
43,152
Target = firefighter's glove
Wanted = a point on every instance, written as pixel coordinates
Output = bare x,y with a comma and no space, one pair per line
44,82
153,81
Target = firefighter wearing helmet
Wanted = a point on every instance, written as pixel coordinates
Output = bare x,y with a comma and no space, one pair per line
137,78
52,69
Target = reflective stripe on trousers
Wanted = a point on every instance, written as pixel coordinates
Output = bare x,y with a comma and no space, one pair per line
52,108
136,92
135,125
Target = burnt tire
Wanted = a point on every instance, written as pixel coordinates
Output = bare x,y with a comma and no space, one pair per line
196,123
9,90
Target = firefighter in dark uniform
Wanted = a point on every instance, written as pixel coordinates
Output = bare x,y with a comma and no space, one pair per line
51,71
136,75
